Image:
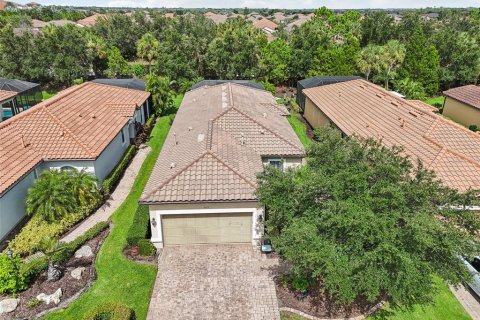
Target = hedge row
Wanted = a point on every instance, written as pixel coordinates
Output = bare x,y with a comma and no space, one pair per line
111,311
146,248
139,228
111,181
32,270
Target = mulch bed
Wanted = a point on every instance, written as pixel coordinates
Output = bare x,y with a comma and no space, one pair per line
142,259
316,303
69,285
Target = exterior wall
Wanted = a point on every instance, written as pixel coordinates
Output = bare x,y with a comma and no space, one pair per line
156,212
461,112
111,155
12,204
314,115
287,162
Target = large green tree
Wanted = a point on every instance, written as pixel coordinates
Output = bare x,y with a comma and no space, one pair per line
377,28
362,221
421,62
275,60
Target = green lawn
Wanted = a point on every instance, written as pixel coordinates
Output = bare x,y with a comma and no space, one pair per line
178,99
48,94
299,128
118,279
435,100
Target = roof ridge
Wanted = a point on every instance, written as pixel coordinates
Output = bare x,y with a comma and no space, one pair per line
263,126
73,136
42,104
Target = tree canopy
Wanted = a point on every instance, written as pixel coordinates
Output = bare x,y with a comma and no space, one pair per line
363,221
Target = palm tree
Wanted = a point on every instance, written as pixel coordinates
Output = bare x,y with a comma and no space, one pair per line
50,246
148,48
49,198
161,90
84,186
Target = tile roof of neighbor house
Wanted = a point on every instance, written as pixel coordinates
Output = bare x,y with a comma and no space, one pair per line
360,108
91,20
215,17
76,124
263,23
469,94
215,146
5,95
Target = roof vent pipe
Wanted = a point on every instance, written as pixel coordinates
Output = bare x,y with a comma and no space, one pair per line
242,139
264,114
175,138
172,165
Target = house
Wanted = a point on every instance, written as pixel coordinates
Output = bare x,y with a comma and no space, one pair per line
280,18
246,83
87,127
396,17
300,19
91,20
215,17
462,105
266,25
202,188
136,84
361,108
17,96
3,4
316,82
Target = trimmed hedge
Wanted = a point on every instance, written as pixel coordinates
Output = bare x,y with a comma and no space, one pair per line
32,270
111,311
139,228
146,248
111,181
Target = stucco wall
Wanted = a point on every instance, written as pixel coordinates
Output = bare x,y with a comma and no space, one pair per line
314,115
111,155
12,204
461,112
156,211
287,162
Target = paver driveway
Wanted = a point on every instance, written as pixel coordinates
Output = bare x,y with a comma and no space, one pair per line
213,282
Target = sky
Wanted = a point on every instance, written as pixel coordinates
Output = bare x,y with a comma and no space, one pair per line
287,4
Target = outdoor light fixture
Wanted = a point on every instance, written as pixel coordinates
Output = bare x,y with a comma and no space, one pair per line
154,222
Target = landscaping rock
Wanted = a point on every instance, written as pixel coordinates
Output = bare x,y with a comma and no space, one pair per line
84,251
8,305
53,273
77,273
54,297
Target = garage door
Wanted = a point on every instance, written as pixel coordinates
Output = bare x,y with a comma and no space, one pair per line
207,228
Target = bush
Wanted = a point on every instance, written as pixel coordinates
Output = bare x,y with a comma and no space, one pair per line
146,248
11,279
30,271
139,228
300,283
34,302
36,229
111,311
111,181
473,127
171,118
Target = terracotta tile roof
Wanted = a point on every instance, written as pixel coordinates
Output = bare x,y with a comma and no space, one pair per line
91,20
78,123
264,23
469,94
215,146
360,108
215,17
5,95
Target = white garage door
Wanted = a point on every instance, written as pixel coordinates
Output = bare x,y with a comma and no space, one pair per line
207,228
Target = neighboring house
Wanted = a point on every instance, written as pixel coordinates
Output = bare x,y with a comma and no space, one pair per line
301,19
87,127
136,84
316,82
169,15
396,17
280,18
361,108
17,96
215,17
3,4
246,83
203,186
462,105
91,20
266,25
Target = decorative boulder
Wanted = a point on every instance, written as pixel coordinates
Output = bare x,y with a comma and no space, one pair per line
53,272
8,305
54,297
84,251
77,273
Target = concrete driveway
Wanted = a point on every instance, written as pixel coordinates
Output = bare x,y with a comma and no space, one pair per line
213,282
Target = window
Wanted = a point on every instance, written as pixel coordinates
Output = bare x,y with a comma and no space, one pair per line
276,163
67,168
123,137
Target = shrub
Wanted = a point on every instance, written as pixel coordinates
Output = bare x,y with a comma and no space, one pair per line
139,228
34,302
146,247
11,279
149,124
171,118
300,283
111,181
111,311
473,127
31,270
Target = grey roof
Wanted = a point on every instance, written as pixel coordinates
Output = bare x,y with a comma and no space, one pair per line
246,83
323,80
136,84
16,85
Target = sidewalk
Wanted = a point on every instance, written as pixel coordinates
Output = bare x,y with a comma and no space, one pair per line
468,301
116,198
